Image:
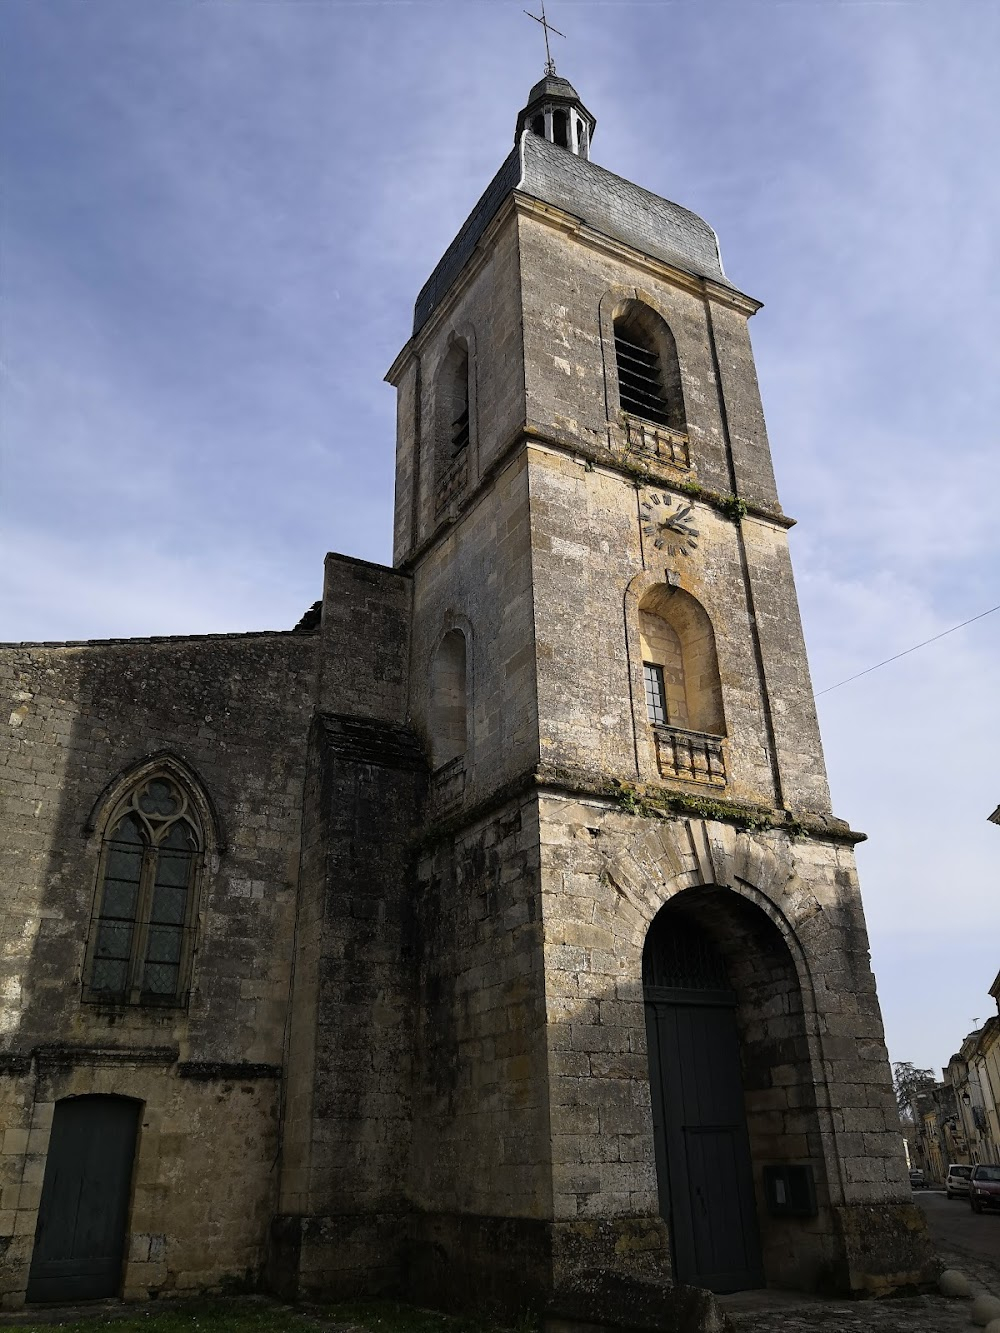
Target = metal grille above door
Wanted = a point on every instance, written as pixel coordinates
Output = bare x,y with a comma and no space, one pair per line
681,955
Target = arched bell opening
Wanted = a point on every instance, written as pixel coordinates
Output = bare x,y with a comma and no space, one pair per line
736,1133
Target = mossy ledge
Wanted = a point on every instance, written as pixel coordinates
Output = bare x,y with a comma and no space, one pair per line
644,800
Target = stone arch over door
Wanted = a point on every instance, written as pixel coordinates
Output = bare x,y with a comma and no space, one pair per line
731,1088
739,890
80,1237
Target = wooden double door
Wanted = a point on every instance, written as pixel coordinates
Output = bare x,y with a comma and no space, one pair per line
702,1147
83,1215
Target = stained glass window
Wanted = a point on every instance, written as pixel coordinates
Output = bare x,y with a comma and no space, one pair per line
145,905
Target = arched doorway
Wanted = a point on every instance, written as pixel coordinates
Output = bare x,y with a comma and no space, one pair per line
699,1121
732,1089
80,1236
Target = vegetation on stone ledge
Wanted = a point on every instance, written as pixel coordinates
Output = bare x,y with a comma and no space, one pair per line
730,506
658,803
734,508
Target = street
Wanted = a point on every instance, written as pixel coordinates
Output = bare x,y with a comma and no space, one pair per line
966,1239
963,1239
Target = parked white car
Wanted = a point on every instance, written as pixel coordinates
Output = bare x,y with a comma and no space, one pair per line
956,1182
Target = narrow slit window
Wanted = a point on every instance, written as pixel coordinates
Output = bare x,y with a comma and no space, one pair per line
656,694
640,376
460,421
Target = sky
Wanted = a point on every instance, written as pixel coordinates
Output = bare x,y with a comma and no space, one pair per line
216,215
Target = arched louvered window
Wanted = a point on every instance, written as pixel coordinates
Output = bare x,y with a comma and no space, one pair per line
649,382
460,404
142,932
640,378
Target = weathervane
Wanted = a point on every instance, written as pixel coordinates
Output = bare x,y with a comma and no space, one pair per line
550,64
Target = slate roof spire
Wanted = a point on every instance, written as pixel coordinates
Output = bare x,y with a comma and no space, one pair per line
554,112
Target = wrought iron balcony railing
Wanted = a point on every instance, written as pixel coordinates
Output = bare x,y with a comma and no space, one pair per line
691,756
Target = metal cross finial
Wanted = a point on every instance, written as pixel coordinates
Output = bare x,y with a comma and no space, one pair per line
550,64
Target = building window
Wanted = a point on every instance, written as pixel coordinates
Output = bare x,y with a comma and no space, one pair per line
141,937
640,383
656,694
460,408
454,429
679,662
649,376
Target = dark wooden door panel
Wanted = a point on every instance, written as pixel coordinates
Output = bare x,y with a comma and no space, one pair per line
80,1237
702,1147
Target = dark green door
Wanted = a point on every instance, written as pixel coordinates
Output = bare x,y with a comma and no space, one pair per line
702,1148
80,1237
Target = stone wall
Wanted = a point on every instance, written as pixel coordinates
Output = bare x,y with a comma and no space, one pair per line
591,701
203,1186
343,1209
478,1177
593,496
477,579
235,710
788,916
483,309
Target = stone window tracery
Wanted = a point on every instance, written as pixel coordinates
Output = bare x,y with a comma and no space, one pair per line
141,938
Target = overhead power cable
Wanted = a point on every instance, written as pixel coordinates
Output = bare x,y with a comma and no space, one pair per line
907,651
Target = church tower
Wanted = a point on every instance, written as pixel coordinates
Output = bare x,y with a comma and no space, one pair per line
487,939
646,1033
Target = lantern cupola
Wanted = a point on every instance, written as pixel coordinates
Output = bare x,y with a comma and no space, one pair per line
554,112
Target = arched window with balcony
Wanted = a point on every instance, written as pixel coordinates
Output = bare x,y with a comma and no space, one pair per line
682,689
145,908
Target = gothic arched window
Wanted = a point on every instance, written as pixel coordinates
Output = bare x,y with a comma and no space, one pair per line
649,377
145,908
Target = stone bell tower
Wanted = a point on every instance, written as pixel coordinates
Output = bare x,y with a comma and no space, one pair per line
647,1039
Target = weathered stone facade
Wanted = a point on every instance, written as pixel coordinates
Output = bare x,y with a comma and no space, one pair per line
436,832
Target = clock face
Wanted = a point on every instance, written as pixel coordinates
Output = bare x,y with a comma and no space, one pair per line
670,528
